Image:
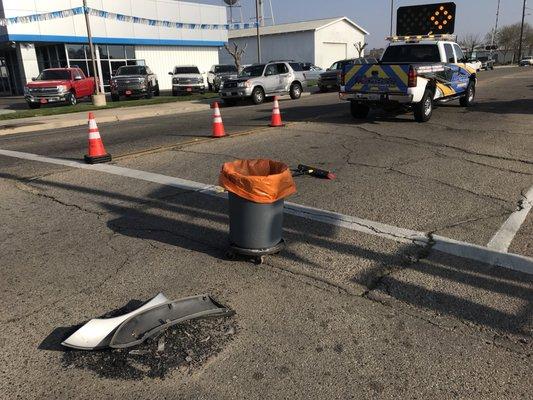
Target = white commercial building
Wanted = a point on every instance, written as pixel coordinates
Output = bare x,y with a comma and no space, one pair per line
321,42
39,34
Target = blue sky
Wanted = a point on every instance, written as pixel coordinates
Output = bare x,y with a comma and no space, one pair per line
473,16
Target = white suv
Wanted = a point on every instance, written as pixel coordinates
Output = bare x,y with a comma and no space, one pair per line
187,79
526,61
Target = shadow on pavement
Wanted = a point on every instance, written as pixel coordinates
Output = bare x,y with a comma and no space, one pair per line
442,284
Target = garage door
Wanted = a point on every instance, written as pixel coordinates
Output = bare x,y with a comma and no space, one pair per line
332,52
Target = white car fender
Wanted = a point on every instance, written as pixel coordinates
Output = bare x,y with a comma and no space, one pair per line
418,91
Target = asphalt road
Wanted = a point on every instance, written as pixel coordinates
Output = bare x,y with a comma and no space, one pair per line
338,314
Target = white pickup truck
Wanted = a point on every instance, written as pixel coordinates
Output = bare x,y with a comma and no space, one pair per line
414,72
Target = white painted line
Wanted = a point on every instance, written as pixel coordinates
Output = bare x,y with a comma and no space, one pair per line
449,246
505,235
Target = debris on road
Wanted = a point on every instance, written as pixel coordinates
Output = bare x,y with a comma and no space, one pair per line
316,172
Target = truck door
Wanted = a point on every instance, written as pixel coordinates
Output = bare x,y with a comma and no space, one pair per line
462,76
284,75
271,78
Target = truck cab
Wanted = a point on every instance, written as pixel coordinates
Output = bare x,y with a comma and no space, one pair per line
413,73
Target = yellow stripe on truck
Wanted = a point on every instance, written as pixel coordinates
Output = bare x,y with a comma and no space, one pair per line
401,74
349,75
446,90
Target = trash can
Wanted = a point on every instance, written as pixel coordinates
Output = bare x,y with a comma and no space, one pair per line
257,189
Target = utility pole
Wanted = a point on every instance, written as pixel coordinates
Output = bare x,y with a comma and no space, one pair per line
98,99
257,8
495,31
521,32
391,15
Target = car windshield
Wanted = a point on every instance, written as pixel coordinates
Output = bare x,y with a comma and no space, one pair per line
225,68
252,71
412,53
53,75
135,70
483,58
186,70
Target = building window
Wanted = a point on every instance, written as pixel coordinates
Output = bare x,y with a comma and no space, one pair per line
76,52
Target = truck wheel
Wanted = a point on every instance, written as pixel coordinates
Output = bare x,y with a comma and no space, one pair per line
156,91
149,92
468,99
71,99
210,88
359,111
34,106
174,92
296,91
424,109
115,97
258,95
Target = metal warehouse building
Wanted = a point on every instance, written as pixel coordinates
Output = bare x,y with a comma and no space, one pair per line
158,33
321,42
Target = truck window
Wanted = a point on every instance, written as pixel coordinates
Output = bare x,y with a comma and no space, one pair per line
450,57
252,71
133,70
282,68
412,53
298,67
458,53
186,70
220,69
54,75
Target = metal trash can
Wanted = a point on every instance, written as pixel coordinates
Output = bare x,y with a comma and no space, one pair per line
257,189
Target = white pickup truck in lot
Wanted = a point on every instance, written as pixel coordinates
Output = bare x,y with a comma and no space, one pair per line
414,72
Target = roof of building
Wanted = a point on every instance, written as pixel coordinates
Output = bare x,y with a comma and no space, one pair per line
312,25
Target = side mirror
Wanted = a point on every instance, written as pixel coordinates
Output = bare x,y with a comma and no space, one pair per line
33,79
170,73
78,78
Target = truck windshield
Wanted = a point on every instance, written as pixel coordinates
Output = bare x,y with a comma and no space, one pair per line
134,70
186,70
53,75
220,69
412,53
252,71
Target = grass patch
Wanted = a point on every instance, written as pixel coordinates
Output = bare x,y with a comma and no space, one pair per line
81,107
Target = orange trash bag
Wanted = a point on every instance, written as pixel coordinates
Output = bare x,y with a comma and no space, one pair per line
260,181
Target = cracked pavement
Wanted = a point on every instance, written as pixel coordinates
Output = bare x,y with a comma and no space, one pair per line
339,314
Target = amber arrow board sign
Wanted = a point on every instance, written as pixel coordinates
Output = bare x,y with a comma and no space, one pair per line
427,19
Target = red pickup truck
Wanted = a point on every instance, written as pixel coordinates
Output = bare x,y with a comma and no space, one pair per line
56,85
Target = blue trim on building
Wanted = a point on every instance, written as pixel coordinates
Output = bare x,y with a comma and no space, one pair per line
102,40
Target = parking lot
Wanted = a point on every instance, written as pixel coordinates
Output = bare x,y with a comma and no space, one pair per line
401,276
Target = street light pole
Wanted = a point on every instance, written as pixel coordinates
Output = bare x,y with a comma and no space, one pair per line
97,99
521,32
391,15
258,32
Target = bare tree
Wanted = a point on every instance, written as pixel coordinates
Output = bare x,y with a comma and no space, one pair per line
360,48
236,52
508,39
470,42
376,53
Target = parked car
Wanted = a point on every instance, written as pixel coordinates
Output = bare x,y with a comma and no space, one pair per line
56,85
187,79
311,71
134,80
475,64
259,81
217,74
526,61
331,78
486,63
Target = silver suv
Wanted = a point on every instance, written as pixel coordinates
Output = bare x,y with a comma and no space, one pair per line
259,81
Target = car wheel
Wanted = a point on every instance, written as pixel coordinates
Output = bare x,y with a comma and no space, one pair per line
156,91
424,109
71,99
359,111
174,93
258,95
34,106
149,92
115,97
468,99
210,87
296,91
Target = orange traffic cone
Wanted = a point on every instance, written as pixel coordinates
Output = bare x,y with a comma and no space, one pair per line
218,125
276,115
97,153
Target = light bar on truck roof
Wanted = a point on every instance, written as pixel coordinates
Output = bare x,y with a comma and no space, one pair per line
418,38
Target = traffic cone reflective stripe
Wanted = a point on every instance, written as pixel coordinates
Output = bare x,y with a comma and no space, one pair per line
276,115
218,125
97,153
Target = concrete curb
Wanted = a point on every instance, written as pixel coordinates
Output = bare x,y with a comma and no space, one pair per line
34,124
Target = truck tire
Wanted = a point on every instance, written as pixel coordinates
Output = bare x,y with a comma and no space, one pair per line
424,109
157,92
149,92
34,106
115,97
71,99
296,91
258,95
359,111
468,99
